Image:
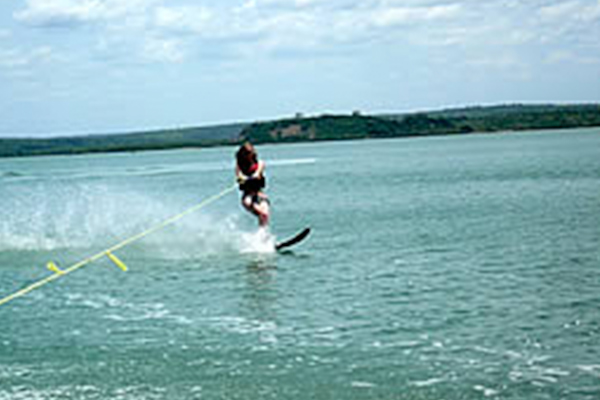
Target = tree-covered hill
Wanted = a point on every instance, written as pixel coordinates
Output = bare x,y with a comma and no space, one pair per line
465,120
325,127
519,117
152,140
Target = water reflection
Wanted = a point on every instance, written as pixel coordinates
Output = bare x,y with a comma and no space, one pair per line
261,295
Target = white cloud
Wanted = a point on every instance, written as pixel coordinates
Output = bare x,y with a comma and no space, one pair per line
59,12
188,18
65,13
18,59
332,26
163,50
578,10
391,16
12,58
566,56
167,32
500,61
256,25
283,3
571,23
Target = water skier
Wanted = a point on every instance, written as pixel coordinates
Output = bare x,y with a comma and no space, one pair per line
250,174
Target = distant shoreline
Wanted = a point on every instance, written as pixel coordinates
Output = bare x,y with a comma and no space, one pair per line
471,120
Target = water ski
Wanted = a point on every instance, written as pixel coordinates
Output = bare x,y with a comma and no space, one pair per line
292,241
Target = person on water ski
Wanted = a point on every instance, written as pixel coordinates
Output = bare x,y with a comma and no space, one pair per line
250,174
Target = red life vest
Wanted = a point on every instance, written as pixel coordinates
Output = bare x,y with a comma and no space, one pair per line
252,185
252,169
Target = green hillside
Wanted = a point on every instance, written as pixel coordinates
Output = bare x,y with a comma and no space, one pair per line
153,140
325,127
518,117
465,120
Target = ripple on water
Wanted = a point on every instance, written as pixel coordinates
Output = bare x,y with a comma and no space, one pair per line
427,382
117,310
593,369
487,392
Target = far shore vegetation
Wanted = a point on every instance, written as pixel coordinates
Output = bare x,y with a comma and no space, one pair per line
300,128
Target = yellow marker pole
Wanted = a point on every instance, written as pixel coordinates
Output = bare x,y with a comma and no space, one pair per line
108,252
116,261
54,268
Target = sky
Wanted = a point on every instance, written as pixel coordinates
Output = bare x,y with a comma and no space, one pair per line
72,67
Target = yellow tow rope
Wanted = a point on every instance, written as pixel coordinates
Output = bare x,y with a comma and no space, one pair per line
57,272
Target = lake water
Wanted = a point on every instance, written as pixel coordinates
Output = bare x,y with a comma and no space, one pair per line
463,267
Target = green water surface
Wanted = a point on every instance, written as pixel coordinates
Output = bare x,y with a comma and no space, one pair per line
463,267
